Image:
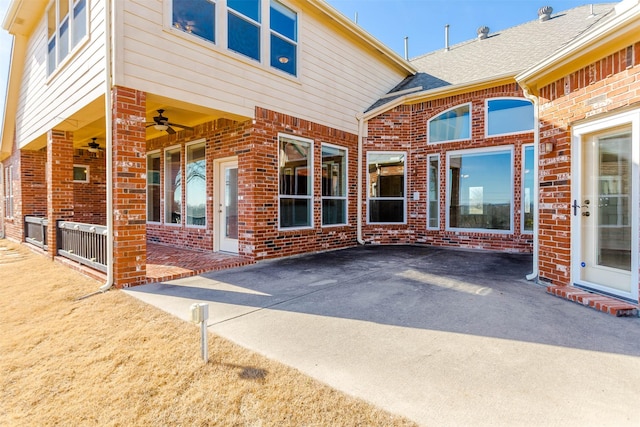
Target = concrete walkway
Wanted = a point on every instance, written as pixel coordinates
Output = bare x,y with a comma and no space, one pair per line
443,337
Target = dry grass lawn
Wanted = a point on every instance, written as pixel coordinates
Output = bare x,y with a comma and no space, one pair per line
112,360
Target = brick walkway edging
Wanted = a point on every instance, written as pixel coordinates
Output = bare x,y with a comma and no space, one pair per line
602,303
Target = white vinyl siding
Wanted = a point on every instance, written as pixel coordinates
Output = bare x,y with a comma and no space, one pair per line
47,102
178,66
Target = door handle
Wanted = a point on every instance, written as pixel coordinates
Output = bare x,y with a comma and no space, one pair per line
575,207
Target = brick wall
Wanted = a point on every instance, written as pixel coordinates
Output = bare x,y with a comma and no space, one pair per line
255,144
405,129
129,187
90,198
33,182
59,174
608,84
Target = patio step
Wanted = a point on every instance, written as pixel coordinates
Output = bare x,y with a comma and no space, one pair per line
602,303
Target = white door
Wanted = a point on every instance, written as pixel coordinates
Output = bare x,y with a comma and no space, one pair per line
604,209
227,206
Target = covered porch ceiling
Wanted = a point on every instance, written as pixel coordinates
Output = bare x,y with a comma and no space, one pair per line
90,122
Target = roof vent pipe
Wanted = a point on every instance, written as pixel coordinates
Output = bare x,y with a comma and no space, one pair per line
544,13
446,37
483,32
406,48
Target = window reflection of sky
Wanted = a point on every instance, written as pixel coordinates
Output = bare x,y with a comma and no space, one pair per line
491,171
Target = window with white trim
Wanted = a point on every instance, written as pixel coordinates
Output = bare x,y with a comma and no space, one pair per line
8,192
153,187
243,27
172,186
197,17
284,37
528,188
506,116
67,23
196,188
265,31
451,125
295,182
334,185
386,200
80,173
480,189
433,195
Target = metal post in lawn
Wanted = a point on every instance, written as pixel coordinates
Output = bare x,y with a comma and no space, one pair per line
200,314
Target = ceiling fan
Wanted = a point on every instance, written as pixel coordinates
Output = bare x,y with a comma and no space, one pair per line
93,146
161,123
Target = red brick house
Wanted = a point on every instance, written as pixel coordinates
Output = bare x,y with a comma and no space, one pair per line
278,148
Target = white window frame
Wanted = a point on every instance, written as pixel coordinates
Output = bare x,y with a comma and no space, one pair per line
346,186
522,190
185,186
486,117
475,151
470,105
222,42
86,172
429,157
8,192
160,185
72,48
283,37
167,221
310,177
404,189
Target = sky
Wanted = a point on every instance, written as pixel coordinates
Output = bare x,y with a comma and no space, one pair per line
390,21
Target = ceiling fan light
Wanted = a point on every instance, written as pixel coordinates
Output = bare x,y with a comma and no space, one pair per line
160,127
93,150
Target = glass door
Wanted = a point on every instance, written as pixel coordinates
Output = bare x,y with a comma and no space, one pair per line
228,207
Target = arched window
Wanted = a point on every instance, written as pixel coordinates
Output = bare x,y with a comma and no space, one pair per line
451,125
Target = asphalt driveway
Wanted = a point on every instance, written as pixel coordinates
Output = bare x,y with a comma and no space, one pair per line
444,337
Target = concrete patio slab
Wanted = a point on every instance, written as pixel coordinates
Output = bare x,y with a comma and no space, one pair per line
444,337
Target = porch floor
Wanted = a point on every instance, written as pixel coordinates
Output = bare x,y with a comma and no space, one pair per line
168,263
609,305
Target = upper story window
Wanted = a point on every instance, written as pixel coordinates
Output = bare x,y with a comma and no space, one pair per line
284,37
451,125
261,30
386,187
244,27
508,115
66,27
197,17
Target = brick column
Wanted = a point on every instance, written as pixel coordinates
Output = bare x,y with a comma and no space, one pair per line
129,187
59,182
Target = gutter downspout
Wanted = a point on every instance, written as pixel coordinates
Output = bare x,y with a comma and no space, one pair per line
359,239
536,199
108,21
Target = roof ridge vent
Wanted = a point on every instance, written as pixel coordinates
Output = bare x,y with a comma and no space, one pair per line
544,13
483,32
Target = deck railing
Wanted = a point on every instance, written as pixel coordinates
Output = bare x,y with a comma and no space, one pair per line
84,243
35,231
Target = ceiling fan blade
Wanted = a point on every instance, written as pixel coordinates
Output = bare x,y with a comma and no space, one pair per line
170,130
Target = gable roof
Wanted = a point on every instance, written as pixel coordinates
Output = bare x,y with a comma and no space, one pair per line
501,55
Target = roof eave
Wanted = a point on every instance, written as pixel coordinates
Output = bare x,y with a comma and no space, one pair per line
363,35
441,92
601,38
